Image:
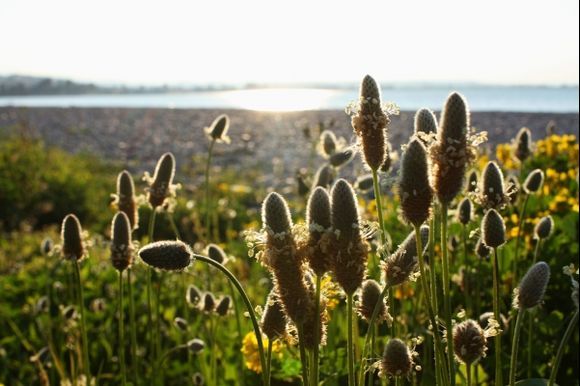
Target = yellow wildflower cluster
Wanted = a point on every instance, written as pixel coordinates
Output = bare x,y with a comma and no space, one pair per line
504,154
557,184
559,145
251,353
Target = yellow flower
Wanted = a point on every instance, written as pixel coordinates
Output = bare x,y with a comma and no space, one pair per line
331,292
251,353
503,153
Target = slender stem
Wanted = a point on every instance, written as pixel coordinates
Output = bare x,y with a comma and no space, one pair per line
85,345
151,227
373,344
468,365
122,332
515,344
133,328
432,272
467,272
207,206
248,305
303,358
151,331
531,317
350,352
520,224
377,190
496,313
569,331
159,277
269,360
173,225
447,293
213,353
316,350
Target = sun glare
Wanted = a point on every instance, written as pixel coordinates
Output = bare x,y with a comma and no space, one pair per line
280,99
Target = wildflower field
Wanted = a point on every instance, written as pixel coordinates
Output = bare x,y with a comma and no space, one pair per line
445,262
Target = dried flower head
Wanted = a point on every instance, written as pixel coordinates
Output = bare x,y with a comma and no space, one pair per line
364,183
414,188
390,158
315,334
425,124
402,264
208,303
493,229
180,324
482,250
302,186
323,177
492,193
197,379
274,321
369,119
571,270
397,359
532,287
122,248
318,219
217,254
369,298
534,181
73,246
218,130
350,254
196,345
464,211
124,199
161,187
46,246
470,341
544,228
454,149
513,188
523,144
341,157
193,295
328,143
472,182
167,255
223,306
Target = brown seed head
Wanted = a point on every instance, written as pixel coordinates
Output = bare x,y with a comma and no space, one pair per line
323,177
544,228
482,250
534,181
414,187
274,321
388,163
162,180
72,238
218,130
216,253
493,229
180,323
46,246
341,157
472,181
196,345
402,264
523,144
425,122
223,307
470,342
369,297
121,244
319,223
276,214
328,142
167,255
513,188
126,198
193,295
492,192
532,287
208,302
464,211
364,183
397,359
197,379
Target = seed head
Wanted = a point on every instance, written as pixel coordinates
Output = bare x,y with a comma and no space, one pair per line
121,244
370,123
46,246
318,219
532,287
196,345
341,157
167,255
464,211
162,182
364,183
493,229
451,153
482,250
350,250
534,181
197,379
303,188
208,303
180,323
389,158
323,177
397,359
369,297
472,181
276,214
470,342
274,321
425,122
72,238
125,198
217,254
513,188
415,190
328,143
193,295
218,130
402,264
544,228
492,192
523,144
223,306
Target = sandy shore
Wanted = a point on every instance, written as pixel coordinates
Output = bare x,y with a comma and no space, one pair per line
138,136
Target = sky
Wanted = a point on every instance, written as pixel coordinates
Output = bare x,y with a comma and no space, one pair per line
216,41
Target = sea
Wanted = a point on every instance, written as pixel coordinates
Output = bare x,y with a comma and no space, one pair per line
480,98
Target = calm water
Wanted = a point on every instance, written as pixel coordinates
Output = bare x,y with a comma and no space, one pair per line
525,99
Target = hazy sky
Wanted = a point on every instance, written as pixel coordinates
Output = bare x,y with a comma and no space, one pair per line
492,41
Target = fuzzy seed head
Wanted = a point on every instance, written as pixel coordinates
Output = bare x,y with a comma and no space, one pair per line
386,166
223,306
126,198
167,255
196,345
276,214
425,122
344,213
402,264
492,187
328,142
523,144
341,157
162,180
121,244
493,229
318,218
414,188
370,294
274,321
544,228
216,253
364,183
397,359
472,181
482,250
72,238
464,211
323,177
470,342
46,246
534,181
218,130
197,379
513,187
180,323
532,287
208,303
454,118
193,295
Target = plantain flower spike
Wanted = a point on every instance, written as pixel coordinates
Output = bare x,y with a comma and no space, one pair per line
122,248
161,188
523,144
493,229
125,200
218,130
73,246
414,188
532,287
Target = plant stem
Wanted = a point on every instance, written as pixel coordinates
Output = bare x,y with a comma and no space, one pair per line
133,327
303,357
467,272
207,205
515,344
520,224
432,272
569,331
85,345
531,317
174,226
350,352
269,361
248,305
496,313
151,331
122,332
159,277
468,365
316,352
447,293
377,190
